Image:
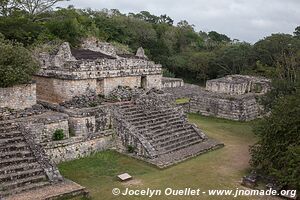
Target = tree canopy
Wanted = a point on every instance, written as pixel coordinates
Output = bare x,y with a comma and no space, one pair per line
16,64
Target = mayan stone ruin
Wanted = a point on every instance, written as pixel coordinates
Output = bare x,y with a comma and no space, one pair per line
234,97
99,100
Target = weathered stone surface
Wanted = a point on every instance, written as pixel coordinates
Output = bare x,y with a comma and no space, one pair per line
78,72
238,85
141,53
73,149
154,129
243,107
172,82
18,97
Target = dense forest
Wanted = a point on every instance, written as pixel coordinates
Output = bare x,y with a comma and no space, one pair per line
183,52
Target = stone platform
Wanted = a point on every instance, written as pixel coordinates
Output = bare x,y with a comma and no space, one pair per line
65,189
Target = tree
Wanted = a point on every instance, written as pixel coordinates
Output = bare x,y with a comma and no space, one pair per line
282,52
217,37
16,64
297,31
35,7
277,153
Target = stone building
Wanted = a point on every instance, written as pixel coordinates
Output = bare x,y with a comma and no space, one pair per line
99,100
93,68
232,97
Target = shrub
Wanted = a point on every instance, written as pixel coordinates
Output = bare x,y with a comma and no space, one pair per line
58,134
130,148
16,64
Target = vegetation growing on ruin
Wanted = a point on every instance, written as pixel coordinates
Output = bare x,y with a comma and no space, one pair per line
58,135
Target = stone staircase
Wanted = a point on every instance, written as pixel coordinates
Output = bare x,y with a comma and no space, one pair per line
19,169
167,131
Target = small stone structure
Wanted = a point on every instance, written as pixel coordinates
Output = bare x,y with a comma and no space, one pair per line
94,68
18,97
233,97
238,85
158,132
172,82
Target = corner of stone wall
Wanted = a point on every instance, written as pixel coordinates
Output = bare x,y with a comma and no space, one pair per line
49,168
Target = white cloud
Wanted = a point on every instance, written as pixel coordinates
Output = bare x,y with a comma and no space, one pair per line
248,20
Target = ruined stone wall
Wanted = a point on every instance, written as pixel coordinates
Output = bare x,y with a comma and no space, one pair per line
228,88
66,151
111,83
172,82
43,126
102,68
153,81
240,109
59,90
18,96
238,85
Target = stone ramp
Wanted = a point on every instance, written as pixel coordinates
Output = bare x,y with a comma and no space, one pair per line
19,168
160,135
64,189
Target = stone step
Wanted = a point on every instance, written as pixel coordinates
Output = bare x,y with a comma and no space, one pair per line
140,113
155,120
174,127
10,134
24,188
146,117
181,145
12,161
21,174
159,126
15,154
10,185
8,128
12,140
188,137
168,134
19,167
20,146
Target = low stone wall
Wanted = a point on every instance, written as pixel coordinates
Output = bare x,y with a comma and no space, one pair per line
43,126
240,109
59,90
70,150
172,82
18,97
109,84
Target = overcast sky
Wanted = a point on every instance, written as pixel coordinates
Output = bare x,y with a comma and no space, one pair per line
248,20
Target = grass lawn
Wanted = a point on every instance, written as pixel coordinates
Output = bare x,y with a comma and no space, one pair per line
182,100
220,169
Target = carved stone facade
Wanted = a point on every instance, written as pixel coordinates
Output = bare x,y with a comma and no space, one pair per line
96,68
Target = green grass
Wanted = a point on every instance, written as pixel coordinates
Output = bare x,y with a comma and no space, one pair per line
182,100
220,169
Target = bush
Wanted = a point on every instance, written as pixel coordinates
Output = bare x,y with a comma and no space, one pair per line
58,135
16,64
130,148
277,153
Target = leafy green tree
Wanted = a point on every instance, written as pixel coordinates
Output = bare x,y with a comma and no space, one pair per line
215,36
297,31
282,52
16,64
277,153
